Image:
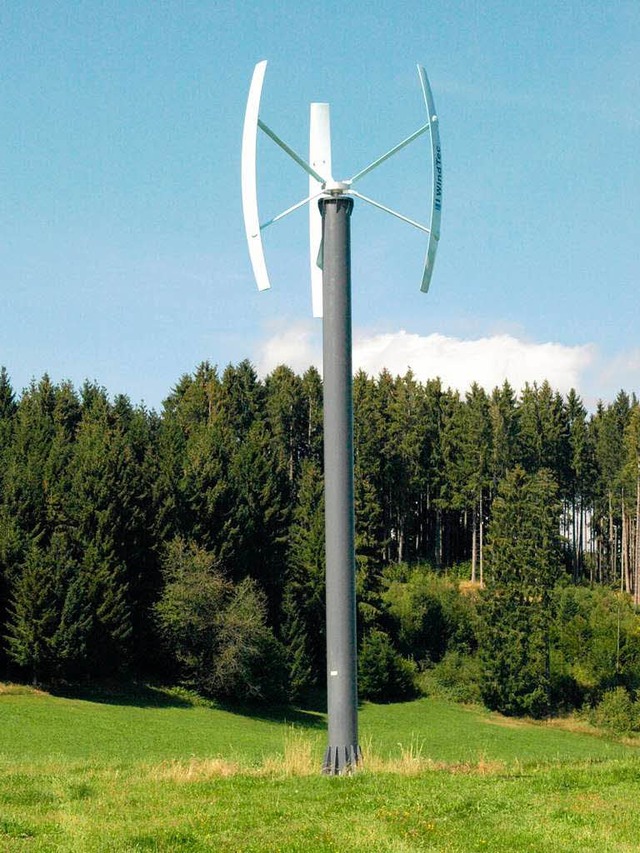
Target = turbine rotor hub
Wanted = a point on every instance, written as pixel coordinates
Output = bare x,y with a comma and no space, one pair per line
336,187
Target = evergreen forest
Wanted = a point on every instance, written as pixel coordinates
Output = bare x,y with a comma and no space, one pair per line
497,537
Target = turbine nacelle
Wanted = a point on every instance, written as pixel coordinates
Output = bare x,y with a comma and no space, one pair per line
322,183
335,187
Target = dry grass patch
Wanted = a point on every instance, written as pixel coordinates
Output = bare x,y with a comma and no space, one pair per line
9,689
470,587
507,722
193,770
302,756
413,762
573,723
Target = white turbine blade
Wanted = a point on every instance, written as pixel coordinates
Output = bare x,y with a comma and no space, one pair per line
249,185
436,166
320,158
289,150
388,154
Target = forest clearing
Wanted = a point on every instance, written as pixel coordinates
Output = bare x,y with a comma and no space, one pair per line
496,541
161,770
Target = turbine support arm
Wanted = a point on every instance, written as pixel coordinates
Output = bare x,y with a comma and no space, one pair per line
288,150
326,186
392,212
289,210
390,153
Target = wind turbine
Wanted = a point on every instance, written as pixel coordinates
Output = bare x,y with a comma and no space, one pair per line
330,261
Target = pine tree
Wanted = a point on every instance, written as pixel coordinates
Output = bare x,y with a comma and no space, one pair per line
429,544
9,538
25,481
580,467
285,413
304,591
405,445
205,495
630,479
523,565
258,520
33,616
8,408
312,421
504,425
241,398
371,540
609,424
466,448
543,431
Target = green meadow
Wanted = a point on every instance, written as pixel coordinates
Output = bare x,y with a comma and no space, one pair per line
158,770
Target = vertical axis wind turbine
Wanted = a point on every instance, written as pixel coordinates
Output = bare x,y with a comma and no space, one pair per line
330,260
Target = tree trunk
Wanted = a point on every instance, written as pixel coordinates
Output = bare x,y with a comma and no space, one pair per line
612,544
624,551
481,542
439,538
576,545
636,588
580,541
474,525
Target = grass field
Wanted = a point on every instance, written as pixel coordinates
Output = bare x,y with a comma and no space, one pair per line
157,771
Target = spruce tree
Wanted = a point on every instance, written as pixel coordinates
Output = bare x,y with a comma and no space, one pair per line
33,616
9,541
256,533
371,542
523,565
504,424
285,414
312,420
580,467
303,630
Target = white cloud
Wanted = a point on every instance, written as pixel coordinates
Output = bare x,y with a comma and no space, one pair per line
487,361
295,347
622,371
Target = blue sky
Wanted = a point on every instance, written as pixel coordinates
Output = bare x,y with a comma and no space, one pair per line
123,257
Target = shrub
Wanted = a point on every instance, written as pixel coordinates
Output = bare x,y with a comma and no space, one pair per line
616,712
595,643
430,615
216,631
384,676
455,677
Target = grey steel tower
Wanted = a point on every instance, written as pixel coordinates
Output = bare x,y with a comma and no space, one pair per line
343,752
329,231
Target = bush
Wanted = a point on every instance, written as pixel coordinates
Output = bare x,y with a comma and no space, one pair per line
616,712
384,676
455,677
216,631
429,613
595,643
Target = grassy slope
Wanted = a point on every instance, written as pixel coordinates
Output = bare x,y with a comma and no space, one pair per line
79,775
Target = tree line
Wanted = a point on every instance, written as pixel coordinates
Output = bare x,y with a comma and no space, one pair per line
189,543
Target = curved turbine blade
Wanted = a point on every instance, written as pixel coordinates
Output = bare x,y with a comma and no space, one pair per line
320,159
436,165
249,184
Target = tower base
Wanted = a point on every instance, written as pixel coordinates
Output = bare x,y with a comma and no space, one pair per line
341,760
